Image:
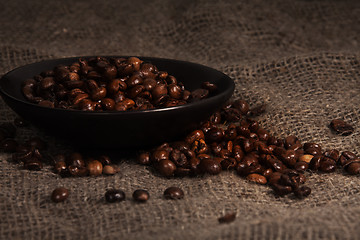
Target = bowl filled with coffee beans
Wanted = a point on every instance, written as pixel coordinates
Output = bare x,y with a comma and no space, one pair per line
115,101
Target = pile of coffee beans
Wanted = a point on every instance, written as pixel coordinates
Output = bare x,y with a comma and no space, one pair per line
110,84
244,146
229,140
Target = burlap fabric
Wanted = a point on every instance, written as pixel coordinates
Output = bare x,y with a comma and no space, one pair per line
301,58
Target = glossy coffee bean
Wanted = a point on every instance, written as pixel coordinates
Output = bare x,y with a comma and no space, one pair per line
327,166
174,193
95,168
114,195
210,166
33,164
256,178
166,167
110,169
353,168
141,195
59,194
281,190
144,158
301,166
341,127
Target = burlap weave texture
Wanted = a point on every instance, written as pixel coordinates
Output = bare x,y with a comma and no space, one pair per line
300,58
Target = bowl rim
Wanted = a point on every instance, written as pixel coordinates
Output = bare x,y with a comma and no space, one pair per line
201,102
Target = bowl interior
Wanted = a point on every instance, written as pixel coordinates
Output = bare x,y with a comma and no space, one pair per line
120,129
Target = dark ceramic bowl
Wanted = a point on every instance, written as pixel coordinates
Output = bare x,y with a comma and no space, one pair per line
119,130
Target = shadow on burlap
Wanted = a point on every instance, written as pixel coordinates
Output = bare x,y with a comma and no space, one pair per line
300,58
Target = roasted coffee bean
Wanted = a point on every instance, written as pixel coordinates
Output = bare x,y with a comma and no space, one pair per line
159,155
105,160
174,193
214,135
59,194
166,167
241,105
315,162
141,195
341,127
33,164
210,166
194,136
95,168
227,218
60,167
178,158
327,166
110,169
311,145
114,195
289,158
75,159
313,151
302,192
211,87
274,178
290,140
144,158
301,166
332,153
345,157
353,167
77,171
281,190
199,94
256,178
306,158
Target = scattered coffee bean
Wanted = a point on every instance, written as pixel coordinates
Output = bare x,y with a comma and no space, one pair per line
59,194
141,195
341,127
114,195
173,193
227,218
110,169
95,168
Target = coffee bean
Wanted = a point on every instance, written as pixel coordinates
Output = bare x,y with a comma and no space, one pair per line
33,164
281,190
354,167
306,158
60,194
345,157
256,178
327,166
144,158
60,167
166,167
141,195
110,170
227,218
210,166
95,168
114,195
341,127
173,193
301,166
302,192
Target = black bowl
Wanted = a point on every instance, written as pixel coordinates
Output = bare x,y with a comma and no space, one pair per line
119,130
